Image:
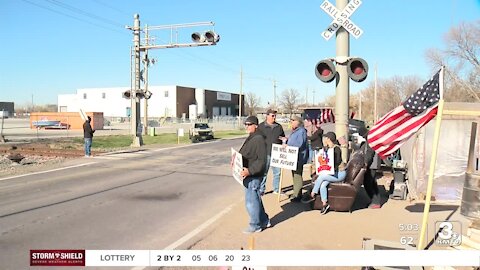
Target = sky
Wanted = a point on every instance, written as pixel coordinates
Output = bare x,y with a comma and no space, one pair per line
52,47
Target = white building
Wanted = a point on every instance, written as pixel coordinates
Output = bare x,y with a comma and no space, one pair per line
166,101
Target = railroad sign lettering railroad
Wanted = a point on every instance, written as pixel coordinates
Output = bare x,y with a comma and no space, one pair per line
341,19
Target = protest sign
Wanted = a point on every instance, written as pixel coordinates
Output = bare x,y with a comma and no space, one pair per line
284,157
324,162
236,165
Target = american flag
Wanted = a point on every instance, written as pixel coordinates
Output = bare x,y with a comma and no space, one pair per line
397,126
324,116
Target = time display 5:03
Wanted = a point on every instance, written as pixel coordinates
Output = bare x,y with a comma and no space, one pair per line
408,227
410,231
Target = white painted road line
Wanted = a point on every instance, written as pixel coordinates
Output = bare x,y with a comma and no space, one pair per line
199,228
193,233
53,170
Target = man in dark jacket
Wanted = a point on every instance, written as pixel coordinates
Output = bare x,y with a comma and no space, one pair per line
254,154
372,163
316,140
87,136
272,131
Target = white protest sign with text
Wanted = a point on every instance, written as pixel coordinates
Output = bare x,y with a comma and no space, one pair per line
236,165
284,157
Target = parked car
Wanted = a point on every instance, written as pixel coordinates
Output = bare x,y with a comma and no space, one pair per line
200,132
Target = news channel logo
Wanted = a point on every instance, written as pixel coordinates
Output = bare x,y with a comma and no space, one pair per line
449,233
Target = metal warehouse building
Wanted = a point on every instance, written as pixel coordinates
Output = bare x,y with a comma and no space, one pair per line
166,101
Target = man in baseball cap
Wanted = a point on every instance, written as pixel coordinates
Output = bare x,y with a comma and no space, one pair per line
254,153
272,131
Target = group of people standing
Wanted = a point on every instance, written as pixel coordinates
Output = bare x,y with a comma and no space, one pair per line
256,153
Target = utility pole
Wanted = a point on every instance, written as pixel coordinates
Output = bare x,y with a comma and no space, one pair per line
343,82
240,98
274,94
306,96
313,97
360,105
146,63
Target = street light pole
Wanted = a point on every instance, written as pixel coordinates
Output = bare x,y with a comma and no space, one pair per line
240,99
274,94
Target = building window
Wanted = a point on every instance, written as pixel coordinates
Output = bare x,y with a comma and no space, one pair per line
166,93
104,95
84,95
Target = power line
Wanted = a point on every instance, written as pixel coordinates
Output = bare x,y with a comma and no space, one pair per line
85,13
70,16
216,65
112,8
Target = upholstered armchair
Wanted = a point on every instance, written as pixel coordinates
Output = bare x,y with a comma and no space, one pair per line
341,195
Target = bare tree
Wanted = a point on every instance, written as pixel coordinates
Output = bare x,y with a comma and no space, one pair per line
252,103
289,100
461,59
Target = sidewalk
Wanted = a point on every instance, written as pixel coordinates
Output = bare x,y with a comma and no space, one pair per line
297,227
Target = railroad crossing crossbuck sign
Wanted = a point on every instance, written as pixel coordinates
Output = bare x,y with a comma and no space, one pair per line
341,19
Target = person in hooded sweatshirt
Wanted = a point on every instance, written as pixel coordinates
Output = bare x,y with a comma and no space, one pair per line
88,136
254,154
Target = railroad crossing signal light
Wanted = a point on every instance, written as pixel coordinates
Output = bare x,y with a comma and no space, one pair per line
209,36
138,94
212,37
325,70
127,94
357,69
147,94
197,37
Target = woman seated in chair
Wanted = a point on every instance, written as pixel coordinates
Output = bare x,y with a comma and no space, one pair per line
336,175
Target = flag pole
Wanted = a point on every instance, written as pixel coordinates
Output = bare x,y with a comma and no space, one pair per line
433,160
280,185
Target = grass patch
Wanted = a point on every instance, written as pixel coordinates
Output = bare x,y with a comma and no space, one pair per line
224,134
124,141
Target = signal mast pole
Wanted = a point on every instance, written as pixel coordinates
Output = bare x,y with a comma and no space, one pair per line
208,38
343,83
135,109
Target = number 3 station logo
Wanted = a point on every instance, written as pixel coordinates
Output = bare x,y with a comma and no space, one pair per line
449,233
341,18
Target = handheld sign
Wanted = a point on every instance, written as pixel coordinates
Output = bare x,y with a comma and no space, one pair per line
236,165
324,162
83,115
285,157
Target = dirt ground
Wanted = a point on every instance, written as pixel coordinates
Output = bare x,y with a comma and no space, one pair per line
297,227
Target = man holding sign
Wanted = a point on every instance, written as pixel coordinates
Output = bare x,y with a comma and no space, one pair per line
254,156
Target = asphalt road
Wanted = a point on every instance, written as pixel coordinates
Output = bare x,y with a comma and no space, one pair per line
142,200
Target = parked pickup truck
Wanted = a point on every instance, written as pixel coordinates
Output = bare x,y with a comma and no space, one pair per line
200,132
